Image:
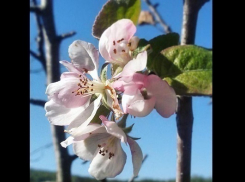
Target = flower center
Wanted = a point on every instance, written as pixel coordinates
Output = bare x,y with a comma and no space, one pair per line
120,51
107,149
88,87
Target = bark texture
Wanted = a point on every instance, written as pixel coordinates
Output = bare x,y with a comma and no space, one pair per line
184,117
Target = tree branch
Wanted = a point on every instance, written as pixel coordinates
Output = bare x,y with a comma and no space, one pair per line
184,114
38,102
39,39
66,35
157,16
35,9
73,157
35,55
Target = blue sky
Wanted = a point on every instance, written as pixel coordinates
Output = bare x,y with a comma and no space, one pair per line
158,135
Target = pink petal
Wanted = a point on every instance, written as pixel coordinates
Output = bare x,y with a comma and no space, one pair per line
70,67
104,43
61,93
137,155
84,55
134,65
123,28
136,105
113,129
166,99
69,75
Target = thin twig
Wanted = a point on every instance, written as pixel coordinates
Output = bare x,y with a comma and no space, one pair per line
66,35
158,17
35,9
73,157
40,56
35,55
38,102
133,177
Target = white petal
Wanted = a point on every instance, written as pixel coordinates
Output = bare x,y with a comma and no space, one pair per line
102,167
67,142
113,129
85,149
84,55
61,115
137,155
84,117
89,130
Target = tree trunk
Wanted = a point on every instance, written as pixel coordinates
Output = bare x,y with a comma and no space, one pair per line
52,45
184,117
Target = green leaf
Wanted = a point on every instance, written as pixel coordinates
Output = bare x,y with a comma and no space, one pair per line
128,129
159,43
188,69
143,45
103,73
115,69
114,10
134,138
122,122
102,110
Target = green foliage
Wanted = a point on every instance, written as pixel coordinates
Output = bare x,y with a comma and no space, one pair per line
114,10
103,73
188,69
41,176
159,43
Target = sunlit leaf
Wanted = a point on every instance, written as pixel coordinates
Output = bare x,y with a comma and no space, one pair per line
188,69
114,10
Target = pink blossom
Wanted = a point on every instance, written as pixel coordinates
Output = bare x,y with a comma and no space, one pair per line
117,41
69,98
143,93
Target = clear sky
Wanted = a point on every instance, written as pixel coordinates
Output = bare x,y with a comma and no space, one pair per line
158,135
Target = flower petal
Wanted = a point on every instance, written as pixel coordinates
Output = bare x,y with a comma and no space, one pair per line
136,105
113,129
70,67
137,64
86,149
166,99
67,142
137,155
102,167
123,28
84,55
60,115
84,117
61,92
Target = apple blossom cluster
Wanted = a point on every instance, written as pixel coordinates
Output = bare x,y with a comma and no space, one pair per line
76,98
